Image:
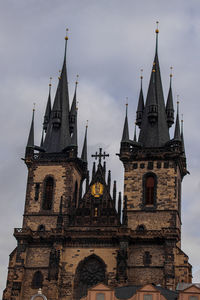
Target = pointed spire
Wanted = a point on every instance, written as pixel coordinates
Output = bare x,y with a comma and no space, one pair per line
73,111
125,135
30,142
154,128
135,136
109,180
169,105
73,118
177,134
58,138
93,169
182,137
42,139
140,107
119,205
114,192
84,150
48,109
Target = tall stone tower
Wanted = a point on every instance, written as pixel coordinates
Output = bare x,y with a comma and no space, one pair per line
154,167
71,240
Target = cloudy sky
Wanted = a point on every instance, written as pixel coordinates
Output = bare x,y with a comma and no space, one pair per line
109,42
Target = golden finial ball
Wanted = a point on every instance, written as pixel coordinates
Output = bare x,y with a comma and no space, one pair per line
157,30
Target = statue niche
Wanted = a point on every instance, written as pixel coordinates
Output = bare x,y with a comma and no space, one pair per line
90,271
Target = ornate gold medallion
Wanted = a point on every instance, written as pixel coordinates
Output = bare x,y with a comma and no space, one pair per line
97,189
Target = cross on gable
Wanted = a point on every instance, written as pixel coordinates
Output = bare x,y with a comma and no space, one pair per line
100,155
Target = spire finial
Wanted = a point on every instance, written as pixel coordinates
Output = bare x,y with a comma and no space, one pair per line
59,77
181,123
34,106
126,105
178,101
157,31
77,77
66,37
141,76
50,79
171,75
86,124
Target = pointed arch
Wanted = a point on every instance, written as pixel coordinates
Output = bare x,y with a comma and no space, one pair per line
37,281
149,189
90,271
48,193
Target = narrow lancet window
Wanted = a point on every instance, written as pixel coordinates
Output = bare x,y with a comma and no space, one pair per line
149,189
48,193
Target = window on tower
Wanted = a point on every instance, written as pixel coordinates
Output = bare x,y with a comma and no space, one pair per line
149,182
37,280
48,193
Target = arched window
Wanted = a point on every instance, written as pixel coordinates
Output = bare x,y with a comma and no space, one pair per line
90,271
37,280
48,193
149,189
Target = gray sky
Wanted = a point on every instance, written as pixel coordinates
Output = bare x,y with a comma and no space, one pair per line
109,42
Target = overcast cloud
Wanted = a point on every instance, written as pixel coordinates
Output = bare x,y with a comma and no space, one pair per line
110,41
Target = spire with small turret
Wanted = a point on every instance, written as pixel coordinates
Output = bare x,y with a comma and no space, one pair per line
58,138
182,137
140,107
125,135
154,128
48,109
177,132
30,142
73,119
84,150
169,105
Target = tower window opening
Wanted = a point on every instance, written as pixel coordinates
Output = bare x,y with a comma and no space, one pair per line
48,193
149,190
37,281
37,188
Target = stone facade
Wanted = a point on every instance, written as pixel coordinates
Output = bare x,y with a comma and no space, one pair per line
70,240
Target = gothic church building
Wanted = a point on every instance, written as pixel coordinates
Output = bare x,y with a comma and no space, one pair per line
71,240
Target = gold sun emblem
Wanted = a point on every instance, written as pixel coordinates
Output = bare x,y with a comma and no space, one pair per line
97,189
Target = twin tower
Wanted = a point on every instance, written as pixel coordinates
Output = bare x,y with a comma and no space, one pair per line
71,240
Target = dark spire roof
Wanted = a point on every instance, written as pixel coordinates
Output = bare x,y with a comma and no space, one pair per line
58,136
182,138
135,136
169,105
30,142
73,119
42,139
84,150
177,133
154,128
140,107
125,135
48,109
